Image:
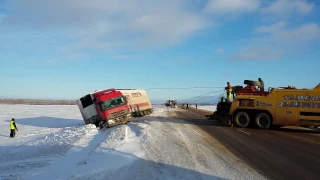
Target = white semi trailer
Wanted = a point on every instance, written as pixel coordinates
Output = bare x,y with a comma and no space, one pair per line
138,101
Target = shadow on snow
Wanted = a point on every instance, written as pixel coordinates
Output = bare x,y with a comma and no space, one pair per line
49,122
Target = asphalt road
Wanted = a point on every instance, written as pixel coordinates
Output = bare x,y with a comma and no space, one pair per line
288,153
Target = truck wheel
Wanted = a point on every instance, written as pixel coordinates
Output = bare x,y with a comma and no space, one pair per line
251,83
103,125
263,121
97,124
242,119
100,125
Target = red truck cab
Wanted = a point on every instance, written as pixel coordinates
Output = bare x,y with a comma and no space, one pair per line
111,107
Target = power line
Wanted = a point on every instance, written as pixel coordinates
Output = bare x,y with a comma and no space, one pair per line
213,87
204,98
189,99
199,96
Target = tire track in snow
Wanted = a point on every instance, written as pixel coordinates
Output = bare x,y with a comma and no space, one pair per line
197,159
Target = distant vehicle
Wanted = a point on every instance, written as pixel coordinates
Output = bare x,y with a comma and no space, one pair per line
107,108
172,103
283,106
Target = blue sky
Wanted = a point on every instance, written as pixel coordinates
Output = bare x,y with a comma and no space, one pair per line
66,49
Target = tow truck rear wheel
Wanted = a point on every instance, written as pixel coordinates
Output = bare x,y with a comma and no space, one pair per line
242,119
263,121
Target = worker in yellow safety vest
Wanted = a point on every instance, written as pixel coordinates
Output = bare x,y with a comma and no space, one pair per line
229,91
13,128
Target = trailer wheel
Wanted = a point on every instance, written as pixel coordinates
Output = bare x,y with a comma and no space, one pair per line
263,121
242,119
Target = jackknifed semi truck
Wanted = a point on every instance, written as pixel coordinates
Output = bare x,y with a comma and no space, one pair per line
110,107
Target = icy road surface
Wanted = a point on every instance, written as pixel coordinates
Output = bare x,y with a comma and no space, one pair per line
53,143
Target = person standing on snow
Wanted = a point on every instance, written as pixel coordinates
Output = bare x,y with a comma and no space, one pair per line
13,128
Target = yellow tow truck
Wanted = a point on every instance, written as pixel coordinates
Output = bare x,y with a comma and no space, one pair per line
283,106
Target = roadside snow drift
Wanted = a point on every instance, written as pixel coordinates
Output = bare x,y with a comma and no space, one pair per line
207,108
53,143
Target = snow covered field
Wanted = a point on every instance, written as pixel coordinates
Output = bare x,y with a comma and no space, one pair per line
53,143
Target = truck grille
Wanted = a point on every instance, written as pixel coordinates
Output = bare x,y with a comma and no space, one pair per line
119,116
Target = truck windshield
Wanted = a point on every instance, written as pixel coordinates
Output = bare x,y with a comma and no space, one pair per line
112,103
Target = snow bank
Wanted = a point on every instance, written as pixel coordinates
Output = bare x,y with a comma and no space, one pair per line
208,108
